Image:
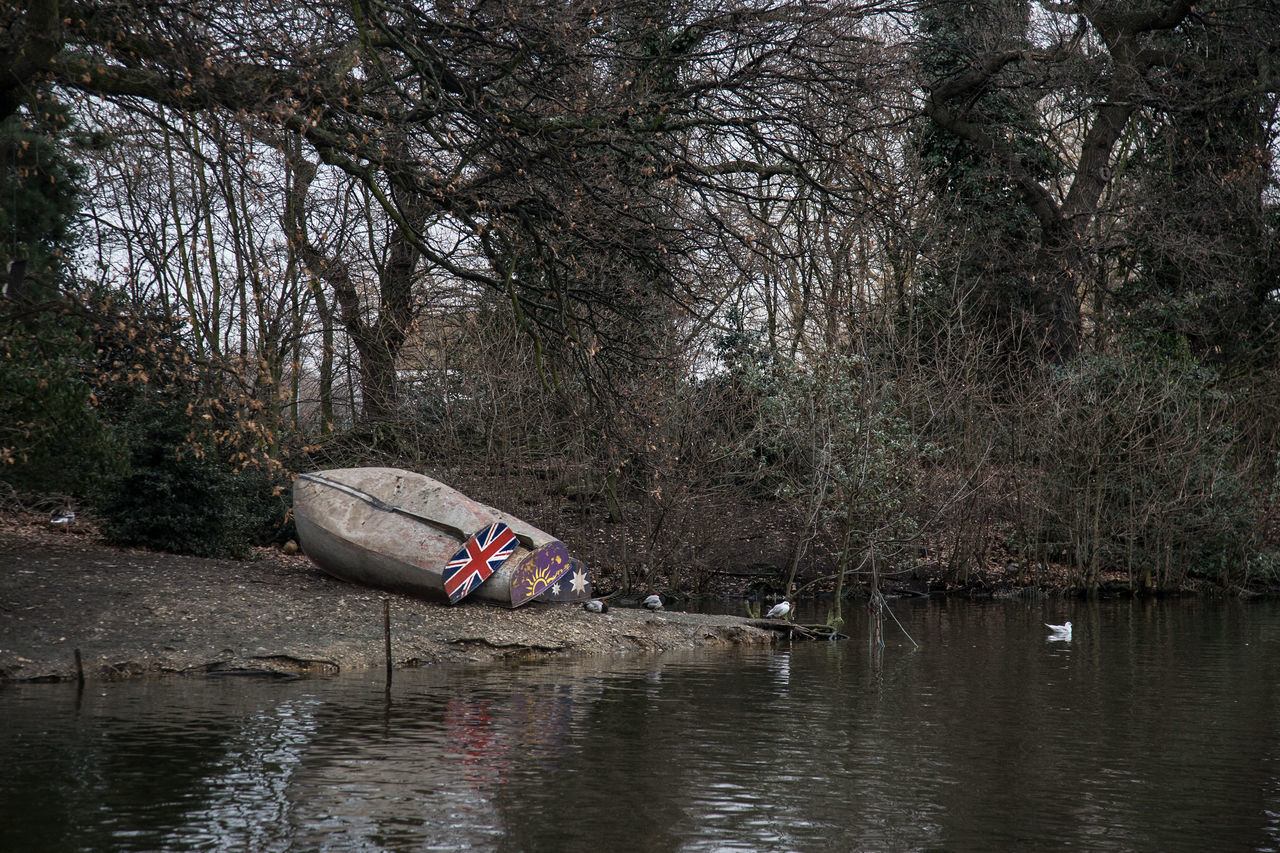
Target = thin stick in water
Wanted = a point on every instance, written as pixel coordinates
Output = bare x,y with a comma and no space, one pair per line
386,633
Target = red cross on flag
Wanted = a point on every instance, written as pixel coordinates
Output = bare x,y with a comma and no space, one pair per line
480,557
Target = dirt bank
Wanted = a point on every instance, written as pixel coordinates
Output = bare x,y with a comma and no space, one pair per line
136,613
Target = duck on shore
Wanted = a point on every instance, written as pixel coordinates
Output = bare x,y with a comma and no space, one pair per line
63,518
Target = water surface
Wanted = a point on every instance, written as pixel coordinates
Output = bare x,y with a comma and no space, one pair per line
1154,729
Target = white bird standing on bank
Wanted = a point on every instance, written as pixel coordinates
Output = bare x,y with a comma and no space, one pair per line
1060,632
779,610
653,602
595,605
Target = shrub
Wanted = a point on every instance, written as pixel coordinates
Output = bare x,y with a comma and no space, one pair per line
52,440
199,476
831,437
179,495
1138,470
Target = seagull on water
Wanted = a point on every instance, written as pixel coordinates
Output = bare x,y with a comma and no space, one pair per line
779,610
1059,632
653,602
595,605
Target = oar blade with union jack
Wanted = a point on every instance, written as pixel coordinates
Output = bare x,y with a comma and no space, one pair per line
480,557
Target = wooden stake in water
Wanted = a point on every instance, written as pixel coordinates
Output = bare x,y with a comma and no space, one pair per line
386,633
79,669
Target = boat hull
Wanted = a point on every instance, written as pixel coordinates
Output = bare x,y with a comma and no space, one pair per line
396,529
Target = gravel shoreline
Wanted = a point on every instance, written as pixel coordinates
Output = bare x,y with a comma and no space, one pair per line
71,607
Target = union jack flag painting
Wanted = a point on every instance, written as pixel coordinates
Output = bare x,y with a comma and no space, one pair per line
480,557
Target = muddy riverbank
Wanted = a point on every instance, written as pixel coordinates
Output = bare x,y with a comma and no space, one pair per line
131,613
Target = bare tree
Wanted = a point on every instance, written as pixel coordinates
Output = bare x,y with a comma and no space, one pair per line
560,148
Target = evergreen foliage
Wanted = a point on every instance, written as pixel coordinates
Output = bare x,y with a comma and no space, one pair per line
984,229
52,440
196,481
1203,265
39,199
832,433
179,495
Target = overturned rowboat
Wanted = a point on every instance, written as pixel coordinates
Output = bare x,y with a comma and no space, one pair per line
406,532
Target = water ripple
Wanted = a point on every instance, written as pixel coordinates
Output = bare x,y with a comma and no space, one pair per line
1154,729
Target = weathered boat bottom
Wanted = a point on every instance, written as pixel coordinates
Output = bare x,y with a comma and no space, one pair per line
403,531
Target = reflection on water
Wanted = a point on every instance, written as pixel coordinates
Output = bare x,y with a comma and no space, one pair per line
1155,728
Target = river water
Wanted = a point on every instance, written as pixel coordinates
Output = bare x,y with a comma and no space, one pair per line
1156,728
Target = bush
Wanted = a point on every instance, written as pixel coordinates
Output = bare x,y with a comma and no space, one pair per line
197,450
831,437
1139,471
180,496
52,440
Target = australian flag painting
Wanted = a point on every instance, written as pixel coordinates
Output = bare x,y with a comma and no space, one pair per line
480,557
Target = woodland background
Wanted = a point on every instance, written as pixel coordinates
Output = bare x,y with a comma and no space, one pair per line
947,292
